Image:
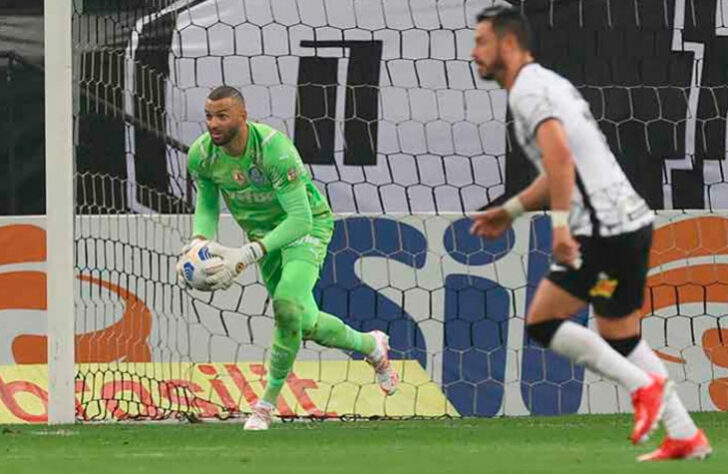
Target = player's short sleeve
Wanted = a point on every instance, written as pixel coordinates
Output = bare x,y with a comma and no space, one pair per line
282,163
532,108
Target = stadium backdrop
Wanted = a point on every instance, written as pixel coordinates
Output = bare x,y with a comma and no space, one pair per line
654,76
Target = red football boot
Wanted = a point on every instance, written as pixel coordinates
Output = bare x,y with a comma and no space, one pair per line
696,447
649,403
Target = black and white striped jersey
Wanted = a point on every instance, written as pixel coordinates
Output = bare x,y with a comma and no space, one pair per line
603,203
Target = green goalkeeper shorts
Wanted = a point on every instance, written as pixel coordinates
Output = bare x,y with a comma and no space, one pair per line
311,248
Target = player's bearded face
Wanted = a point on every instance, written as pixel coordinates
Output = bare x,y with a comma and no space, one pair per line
487,51
224,135
223,119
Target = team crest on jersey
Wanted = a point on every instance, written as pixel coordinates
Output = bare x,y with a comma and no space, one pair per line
256,176
292,174
605,287
238,177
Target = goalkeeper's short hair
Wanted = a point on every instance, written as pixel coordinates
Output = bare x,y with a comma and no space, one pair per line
226,92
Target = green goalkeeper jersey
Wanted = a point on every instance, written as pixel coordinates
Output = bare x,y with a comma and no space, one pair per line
267,190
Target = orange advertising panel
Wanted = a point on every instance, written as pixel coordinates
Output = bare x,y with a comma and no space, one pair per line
690,258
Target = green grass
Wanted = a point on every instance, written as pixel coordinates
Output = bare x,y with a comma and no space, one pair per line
584,444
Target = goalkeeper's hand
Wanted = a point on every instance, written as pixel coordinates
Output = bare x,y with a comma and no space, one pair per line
234,261
180,270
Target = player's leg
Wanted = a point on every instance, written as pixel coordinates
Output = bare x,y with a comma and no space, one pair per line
563,292
291,280
261,418
291,306
302,263
624,336
560,295
330,331
684,440
619,319
548,324
290,284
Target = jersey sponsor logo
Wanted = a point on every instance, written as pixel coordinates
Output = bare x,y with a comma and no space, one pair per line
604,287
256,176
244,197
239,177
306,239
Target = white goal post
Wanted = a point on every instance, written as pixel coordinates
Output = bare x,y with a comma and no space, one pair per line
58,57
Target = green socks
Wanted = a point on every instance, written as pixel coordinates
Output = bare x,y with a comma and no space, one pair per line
331,331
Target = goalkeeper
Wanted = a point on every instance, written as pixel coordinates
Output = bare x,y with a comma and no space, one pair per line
266,187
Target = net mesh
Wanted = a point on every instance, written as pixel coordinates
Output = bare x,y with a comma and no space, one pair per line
389,114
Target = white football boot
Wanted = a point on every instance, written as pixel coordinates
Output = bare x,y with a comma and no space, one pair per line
387,377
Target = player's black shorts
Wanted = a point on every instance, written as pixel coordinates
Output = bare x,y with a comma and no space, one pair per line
613,272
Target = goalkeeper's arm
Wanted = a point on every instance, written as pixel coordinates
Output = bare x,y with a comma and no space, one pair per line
204,222
207,210
297,223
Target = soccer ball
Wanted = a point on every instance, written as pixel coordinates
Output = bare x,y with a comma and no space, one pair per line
192,265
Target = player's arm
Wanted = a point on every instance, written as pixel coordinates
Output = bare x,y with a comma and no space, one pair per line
559,168
298,221
536,195
493,222
207,206
286,172
284,168
207,209
542,122
539,117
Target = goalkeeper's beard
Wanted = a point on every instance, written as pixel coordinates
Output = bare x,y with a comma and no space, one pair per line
227,136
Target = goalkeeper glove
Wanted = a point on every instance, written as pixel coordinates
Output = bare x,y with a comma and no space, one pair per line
180,270
234,261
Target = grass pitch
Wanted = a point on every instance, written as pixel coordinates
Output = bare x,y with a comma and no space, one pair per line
583,444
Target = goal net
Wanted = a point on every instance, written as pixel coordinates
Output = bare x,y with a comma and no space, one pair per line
382,101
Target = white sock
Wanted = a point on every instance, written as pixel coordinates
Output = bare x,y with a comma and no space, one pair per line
376,354
263,404
677,421
587,348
